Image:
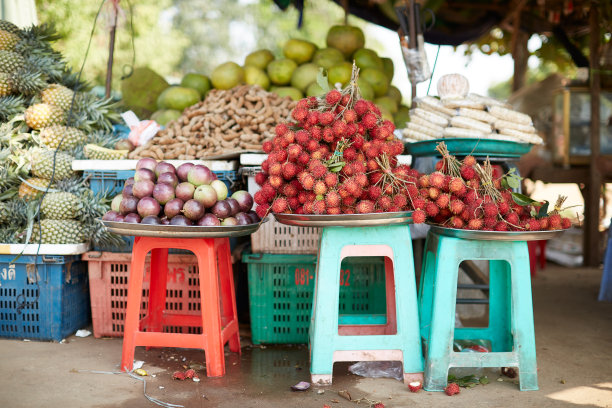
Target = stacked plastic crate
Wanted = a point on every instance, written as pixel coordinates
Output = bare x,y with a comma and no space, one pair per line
281,275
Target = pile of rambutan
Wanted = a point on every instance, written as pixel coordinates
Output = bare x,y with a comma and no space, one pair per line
469,195
337,157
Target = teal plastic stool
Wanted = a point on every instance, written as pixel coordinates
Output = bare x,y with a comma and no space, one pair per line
336,338
510,330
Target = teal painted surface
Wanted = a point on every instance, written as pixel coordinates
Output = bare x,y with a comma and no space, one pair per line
467,146
510,330
324,338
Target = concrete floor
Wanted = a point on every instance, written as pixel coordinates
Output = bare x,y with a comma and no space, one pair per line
574,346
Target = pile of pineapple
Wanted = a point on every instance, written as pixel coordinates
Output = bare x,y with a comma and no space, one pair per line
47,118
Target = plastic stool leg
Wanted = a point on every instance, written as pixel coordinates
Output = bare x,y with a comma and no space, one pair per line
533,258
542,256
325,316
157,289
228,297
132,312
391,326
426,288
211,318
522,318
442,328
499,306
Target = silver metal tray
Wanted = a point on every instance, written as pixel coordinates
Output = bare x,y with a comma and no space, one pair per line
496,235
178,231
345,220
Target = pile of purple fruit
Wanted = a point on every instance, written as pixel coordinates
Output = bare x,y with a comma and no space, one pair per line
161,194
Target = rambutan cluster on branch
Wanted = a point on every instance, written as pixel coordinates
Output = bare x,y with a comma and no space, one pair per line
338,157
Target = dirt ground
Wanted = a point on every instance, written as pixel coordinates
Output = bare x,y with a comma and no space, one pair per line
573,338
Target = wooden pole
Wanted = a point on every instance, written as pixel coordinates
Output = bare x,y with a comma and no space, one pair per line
412,41
593,193
111,50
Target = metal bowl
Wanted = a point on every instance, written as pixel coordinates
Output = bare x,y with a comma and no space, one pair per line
177,231
496,235
345,220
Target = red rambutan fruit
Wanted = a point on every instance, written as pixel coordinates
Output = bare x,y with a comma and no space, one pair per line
302,197
293,152
339,128
333,97
365,207
468,172
361,107
456,222
280,205
457,186
443,201
512,218
475,224
554,222
334,210
358,142
267,146
501,226
348,200
312,145
424,181
418,216
490,222
306,180
457,206
490,210
565,223
331,179
281,155
320,187
304,158
374,192
350,153
431,209
372,165
328,134
332,199
302,137
325,118
531,224
361,179
302,104
369,120
433,193
275,181
384,202
418,203
316,133
470,196
308,207
313,117
293,202
543,223
436,179
281,129
352,187
289,170
299,114
350,116
262,210
259,198
260,178
503,207
469,161
319,207
400,200
275,169
319,171
348,169
289,190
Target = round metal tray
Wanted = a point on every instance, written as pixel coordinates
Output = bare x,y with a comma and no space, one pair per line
345,220
465,146
177,231
496,235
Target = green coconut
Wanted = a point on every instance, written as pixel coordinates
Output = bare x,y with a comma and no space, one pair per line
178,98
289,91
299,51
328,57
199,82
347,39
227,75
141,90
281,70
259,58
304,75
256,76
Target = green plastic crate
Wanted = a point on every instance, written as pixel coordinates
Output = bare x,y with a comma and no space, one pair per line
281,288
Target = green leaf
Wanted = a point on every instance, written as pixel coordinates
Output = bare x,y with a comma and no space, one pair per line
484,380
522,199
322,81
513,182
543,210
504,183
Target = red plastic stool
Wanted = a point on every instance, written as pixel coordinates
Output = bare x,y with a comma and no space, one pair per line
219,324
537,255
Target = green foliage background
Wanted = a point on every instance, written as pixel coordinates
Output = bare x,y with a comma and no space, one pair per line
174,37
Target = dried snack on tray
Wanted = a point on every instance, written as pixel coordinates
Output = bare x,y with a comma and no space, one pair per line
504,124
425,130
467,123
487,101
227,121
475,114
461,132
463,103
432,104
422,122
526,137
410,134
510,115
435,118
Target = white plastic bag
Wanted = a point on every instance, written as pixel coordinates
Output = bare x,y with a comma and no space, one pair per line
378,369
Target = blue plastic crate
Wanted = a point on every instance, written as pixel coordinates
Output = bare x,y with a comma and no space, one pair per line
111,181
62,306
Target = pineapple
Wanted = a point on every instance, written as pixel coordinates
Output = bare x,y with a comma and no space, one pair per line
52,136
33,188
95,152
6,86
10,61
58,95
8,40
13,212
60,206
42,164
41,115
9,27
58,232
10,106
